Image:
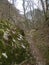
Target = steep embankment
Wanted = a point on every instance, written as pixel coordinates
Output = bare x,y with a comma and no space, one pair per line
9,12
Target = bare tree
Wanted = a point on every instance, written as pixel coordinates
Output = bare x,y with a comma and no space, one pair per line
13,1
24,8
45,7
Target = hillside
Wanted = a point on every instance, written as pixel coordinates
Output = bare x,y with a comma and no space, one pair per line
24,40
9,12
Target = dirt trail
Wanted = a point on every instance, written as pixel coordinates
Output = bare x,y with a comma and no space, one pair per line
35,51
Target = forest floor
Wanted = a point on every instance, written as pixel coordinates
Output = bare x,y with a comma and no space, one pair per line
34,50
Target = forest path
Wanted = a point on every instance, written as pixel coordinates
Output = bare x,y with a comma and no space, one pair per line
34,50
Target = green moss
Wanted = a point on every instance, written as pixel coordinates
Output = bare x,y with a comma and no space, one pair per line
1,33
